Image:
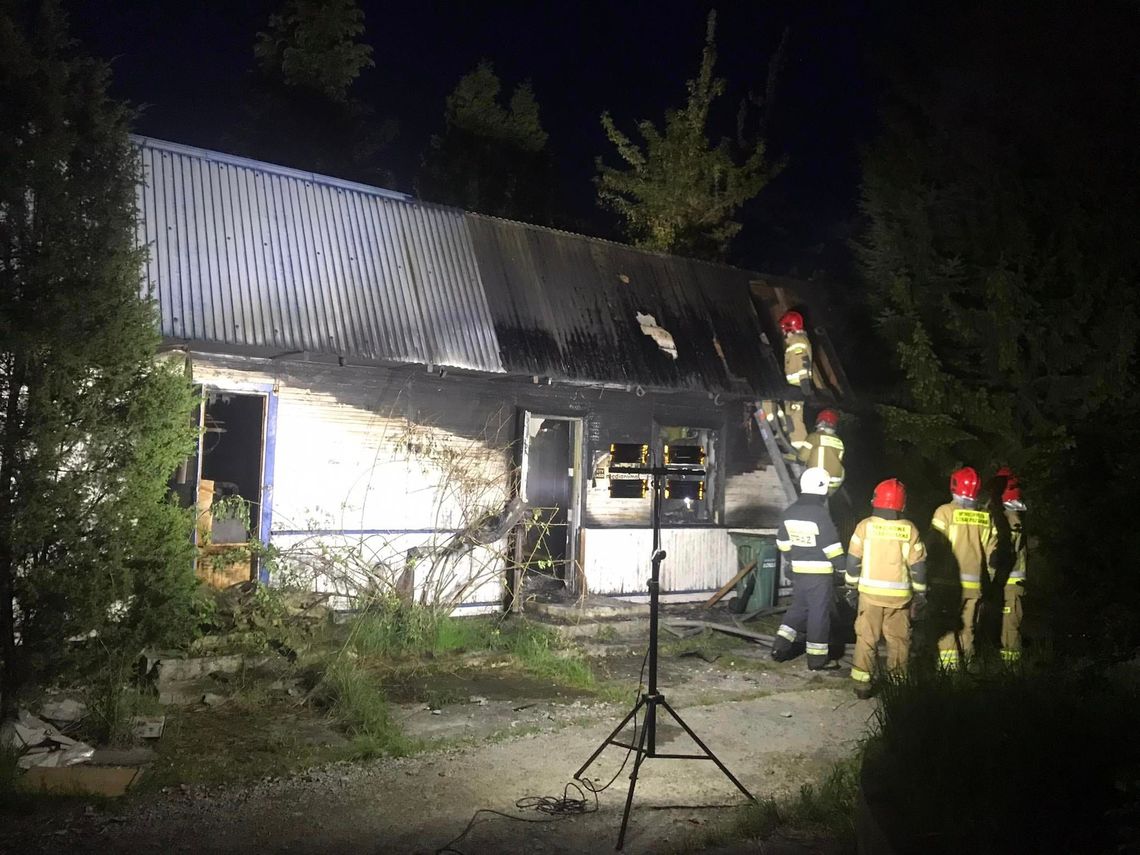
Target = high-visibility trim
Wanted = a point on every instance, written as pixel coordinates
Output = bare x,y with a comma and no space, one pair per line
969,577
966,517
800,443
918,586
1017,574
884,583
972,586
850,580
889,531
797,346
1010,655
816,648
828,441
836,549
1006,610
948,657
812,567
786,632
860,676
882,592
784,545
938,524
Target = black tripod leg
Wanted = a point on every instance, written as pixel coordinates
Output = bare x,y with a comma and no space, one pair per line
633,780
705,749
609,739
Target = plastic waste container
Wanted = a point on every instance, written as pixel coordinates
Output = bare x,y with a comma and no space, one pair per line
757,590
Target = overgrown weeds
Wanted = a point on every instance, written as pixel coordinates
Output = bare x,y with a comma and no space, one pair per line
395,630
356,699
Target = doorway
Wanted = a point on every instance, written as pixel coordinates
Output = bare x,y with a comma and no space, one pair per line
551,485
230,485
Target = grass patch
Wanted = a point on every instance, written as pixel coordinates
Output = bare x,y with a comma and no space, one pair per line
357,701
395,630
826,810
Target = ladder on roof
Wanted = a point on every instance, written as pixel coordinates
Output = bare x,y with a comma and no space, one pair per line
787,472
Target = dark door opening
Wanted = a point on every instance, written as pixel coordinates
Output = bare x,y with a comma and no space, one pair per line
552,482
232,456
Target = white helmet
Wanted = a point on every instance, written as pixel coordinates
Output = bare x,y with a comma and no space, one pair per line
814,481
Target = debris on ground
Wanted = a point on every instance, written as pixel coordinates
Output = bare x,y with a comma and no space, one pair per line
66,711
41,744
148,726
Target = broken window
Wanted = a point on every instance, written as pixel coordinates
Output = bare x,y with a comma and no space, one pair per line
683,501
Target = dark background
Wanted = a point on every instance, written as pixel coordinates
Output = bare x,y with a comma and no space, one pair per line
187,66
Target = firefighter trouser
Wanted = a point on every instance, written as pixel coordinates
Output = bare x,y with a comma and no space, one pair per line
960,640
808,620
1011,624
872,623
798,432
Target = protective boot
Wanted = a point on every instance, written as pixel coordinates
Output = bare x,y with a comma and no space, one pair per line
863,691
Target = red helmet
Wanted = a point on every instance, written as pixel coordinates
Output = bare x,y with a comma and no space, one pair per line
1011,488
791,322
964,483
828,418
890,495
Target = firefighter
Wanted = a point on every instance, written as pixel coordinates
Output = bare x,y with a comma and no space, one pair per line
824,449
797,352
886,583
808,538
1014,587
963,539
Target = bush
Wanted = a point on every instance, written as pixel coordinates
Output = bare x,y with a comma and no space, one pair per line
1011,760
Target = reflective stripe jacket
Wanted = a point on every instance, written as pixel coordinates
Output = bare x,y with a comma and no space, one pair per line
1019,547
807,536
824,450
887,560
797,358
969,539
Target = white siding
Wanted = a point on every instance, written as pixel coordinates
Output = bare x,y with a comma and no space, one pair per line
617,560
361,482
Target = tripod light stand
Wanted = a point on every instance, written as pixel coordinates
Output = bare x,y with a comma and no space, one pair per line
633,460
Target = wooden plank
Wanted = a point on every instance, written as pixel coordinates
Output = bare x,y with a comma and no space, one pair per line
729,585
721,627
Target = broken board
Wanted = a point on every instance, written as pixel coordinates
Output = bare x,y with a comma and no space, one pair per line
108,781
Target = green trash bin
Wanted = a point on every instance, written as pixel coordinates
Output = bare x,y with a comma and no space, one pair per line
757,590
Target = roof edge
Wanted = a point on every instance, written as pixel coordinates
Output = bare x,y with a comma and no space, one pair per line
264,166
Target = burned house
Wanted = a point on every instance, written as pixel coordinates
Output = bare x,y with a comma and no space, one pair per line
383,376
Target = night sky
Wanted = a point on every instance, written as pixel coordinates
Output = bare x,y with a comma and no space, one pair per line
187,65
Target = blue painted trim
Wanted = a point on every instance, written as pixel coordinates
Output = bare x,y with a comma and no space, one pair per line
333,532
268,464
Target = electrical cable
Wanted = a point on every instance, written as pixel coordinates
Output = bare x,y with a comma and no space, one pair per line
556,807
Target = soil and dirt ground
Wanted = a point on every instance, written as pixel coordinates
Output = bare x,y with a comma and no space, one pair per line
490,737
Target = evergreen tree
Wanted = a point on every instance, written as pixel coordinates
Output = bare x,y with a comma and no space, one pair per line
492,156
1001,257
301,111
680,191
90,426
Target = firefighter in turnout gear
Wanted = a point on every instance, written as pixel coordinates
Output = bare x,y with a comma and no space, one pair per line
824,449
1014,507
808,539
797,352
886,577
786,421
962,540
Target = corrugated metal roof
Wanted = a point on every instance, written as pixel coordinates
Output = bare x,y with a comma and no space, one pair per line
566,306
249,255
